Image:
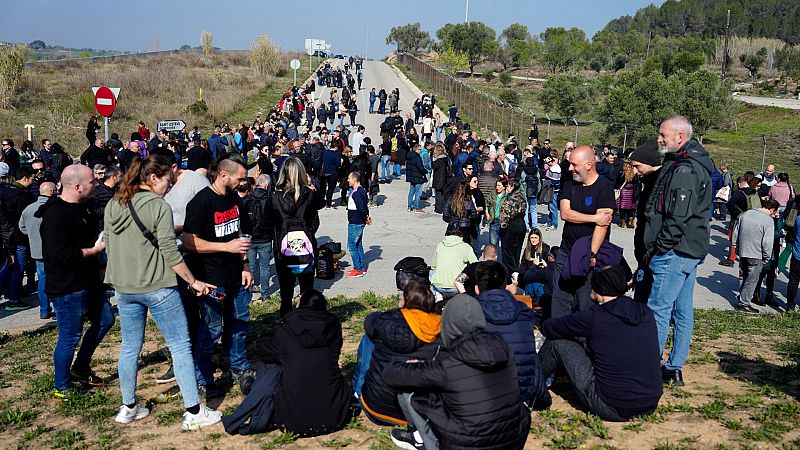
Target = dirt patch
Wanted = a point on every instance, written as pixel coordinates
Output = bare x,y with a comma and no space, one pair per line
740,393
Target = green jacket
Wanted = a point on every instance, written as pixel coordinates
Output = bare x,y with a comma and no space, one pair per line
678,210
135,266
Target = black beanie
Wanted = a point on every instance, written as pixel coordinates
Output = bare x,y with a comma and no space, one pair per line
611,281
647,153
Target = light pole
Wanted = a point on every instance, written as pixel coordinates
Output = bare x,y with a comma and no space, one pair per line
466,13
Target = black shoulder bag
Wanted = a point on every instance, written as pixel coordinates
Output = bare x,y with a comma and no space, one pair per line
147,233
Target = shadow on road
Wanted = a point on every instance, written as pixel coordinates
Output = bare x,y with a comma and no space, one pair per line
722,284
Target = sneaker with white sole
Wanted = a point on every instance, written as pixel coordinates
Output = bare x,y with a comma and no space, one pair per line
204,418
128,415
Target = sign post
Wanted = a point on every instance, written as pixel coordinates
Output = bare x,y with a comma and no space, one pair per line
310,52
105,100
171,125
30,128
295,64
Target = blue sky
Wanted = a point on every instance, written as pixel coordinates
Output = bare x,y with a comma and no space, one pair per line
351,26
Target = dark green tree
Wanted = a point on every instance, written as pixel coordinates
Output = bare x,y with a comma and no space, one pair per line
476,39
565,94
753,61
409,38
561,49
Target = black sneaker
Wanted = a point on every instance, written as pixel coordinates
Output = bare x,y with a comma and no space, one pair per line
87,379
16,305
747,309
726,263
674,377
405,439
167,377
245,379
757,300
209,391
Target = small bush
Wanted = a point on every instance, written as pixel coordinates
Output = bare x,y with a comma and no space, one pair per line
510,97
488,76
198,108
505,78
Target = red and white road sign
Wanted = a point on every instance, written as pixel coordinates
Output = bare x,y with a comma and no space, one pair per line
105,101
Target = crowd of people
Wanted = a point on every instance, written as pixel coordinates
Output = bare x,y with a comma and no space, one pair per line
171,225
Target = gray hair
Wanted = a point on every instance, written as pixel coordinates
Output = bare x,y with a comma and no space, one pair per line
682,125
263,181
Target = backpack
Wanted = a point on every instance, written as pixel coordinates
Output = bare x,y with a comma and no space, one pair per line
531,186
426,161
295,249
60,161
255,210
411,268
325,267
753,201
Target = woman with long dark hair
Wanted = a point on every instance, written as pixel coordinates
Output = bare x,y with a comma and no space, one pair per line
143,260
459,211
295,206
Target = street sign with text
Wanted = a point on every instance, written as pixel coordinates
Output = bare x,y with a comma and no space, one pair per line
171,125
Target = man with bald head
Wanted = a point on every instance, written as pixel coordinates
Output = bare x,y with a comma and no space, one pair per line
676,236
29,226
71,245
586,205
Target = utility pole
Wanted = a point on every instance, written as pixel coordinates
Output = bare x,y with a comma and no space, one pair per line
466,13
725,51
366,45
649,38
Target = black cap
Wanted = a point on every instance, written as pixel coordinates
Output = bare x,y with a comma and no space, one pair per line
647,153
611,281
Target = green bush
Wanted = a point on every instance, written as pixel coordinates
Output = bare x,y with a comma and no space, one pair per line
510,97
488,76
197,108
505,78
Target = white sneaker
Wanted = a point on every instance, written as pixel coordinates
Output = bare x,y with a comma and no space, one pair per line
204,418
128,415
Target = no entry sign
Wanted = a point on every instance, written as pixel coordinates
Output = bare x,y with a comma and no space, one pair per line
105,101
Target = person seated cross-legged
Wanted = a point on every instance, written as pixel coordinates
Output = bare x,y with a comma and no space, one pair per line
619,376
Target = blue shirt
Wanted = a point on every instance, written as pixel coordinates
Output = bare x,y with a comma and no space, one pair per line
331,161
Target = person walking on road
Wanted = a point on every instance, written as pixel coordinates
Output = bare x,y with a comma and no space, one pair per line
676,236
372,97
382,97
754,238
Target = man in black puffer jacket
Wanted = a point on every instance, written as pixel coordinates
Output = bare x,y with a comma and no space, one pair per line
411,332
474,397
416,176
513,321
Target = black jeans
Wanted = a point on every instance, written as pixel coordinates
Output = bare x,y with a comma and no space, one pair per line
794,279
438,206
511,239
576,363
286,279
328,185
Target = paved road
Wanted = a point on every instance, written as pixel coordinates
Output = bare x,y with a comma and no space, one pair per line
788,103
396,233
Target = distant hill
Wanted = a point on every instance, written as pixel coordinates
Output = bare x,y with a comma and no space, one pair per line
779,19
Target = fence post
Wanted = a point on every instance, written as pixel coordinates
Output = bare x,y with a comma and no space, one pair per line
576,131
625,139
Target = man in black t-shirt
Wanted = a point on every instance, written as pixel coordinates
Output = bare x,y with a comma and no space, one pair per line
586,206
212,234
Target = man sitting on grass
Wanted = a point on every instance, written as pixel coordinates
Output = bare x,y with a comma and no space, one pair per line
618,376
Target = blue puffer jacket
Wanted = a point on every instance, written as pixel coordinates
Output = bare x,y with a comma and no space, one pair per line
415,170
514,321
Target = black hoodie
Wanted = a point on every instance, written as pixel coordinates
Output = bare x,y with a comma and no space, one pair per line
623,344
312,397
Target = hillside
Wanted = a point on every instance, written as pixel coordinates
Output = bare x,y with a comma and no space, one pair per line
779,19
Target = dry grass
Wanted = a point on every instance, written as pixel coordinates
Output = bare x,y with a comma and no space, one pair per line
58,99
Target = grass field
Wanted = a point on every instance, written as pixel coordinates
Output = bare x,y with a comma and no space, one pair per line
58,100
742,392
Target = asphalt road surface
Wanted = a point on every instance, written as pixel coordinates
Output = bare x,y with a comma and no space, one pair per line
396,233
788,103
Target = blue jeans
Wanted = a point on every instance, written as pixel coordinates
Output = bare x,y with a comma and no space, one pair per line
234,311
355,245
671,297
166,307
44,303
371,107
494,233
414,192
70,311
11,275
553,207
532,216
385,172
398,169
363,360
260,255
439,134
330,125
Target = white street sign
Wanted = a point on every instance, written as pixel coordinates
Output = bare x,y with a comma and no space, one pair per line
171,125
